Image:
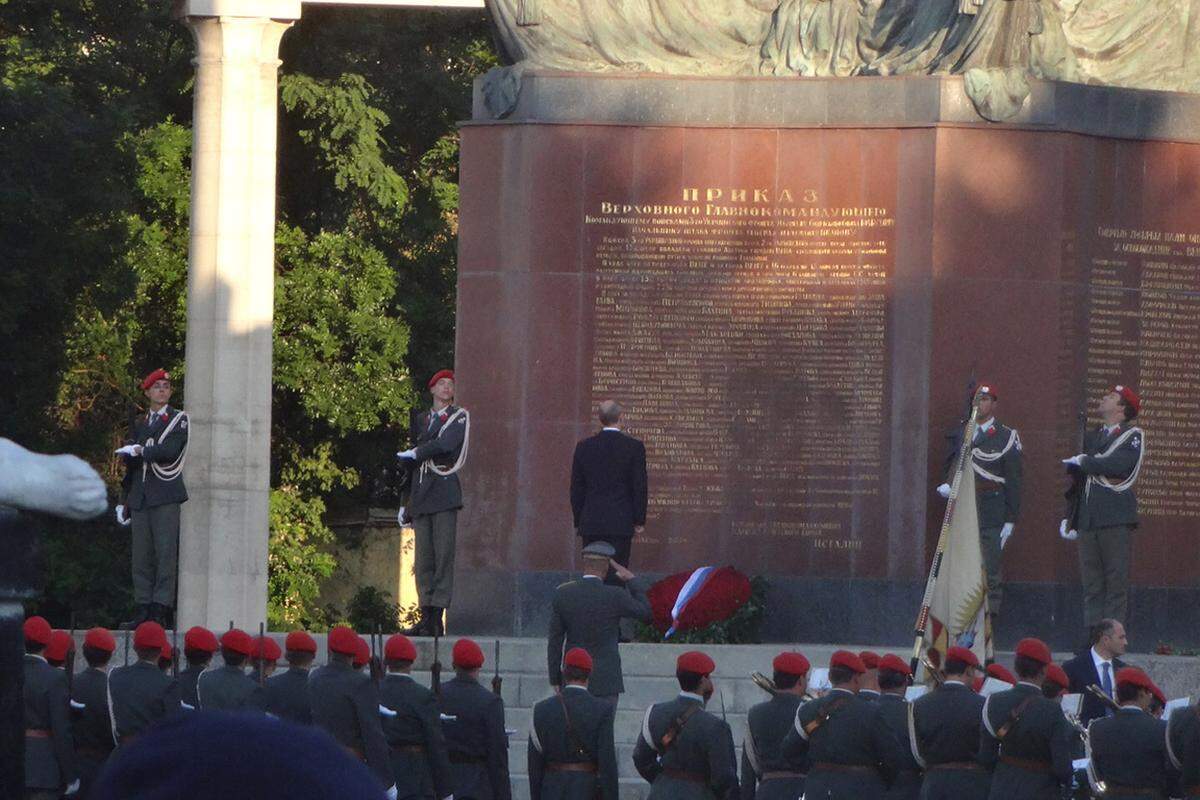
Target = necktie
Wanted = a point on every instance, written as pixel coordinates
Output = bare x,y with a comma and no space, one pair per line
1106,684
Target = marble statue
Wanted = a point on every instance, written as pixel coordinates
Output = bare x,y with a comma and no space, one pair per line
62,485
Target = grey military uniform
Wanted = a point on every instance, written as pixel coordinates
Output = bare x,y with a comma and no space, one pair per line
572,728
698,764
475,740
1129,752
91,725
141,695
1183,749
767,774
227,688
345,703
286,696
187,686
1027,740
587,613
996,458
49,748
946,722
893,711
414,736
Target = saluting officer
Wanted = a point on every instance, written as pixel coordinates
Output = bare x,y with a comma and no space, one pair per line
684,752
766,773
228,688
49,749
287,693
141,693
851,752
571,751
1129,749
412,727
473,722
92,724
945,725
894,677
199,644
1025,737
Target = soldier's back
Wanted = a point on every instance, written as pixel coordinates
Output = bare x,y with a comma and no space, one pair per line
1027,739
1183,748
590,612
141,695
946,722
49,750
894,711
187,687
587,740
851,752
473,725
1129,753
91,725
227,688
767,772
698,764
414,736
286,696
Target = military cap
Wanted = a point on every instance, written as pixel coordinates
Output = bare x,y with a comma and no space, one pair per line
1158,693
578,658
166,652
988,388
343,640
1132,676
362,652
962,654
38,630
300,642
870,659
202,639
399,648
154,377
695,661
1035,649
265,649
1056,675
1130,397
599,550
847,660
100,639
441,373
237,641
791,663
149,635
61,643
1001,673
894,663
467,654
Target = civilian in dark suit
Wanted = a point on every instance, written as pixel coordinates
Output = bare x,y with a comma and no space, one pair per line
473,722
287,692
1089,668
49,749
608,485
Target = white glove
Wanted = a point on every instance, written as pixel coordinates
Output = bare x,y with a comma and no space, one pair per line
412,454
1075,460
123,516
391,793
448,797
944,490
129,450
1005,532
73,788
1070,536
400,517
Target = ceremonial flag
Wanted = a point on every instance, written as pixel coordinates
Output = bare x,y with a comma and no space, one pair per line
690,590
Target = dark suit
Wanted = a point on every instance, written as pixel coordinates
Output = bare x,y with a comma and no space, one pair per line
947,722
1129,751
1183,748
91,725
49,748
766,726
893,710
608,489
699,764
476,741
420,762
287,696
142,694
227,688
1081,671
587,613
1034,760
345,703
588,739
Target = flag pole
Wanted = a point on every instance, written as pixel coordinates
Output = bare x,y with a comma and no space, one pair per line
964,451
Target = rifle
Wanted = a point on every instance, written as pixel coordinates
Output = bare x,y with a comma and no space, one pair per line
497,681
175,652
70,665
1075,492
262,667
128,636
1104,698
376,668
435,670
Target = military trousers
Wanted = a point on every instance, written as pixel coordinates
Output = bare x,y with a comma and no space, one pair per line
1104,567
433,559
989,546
155,554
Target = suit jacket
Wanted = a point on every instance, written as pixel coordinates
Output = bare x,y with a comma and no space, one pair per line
1130,749
587,613
762,751
50,759
286,696
152,491
854,734
475,740
1103,507
947,722
345,703
428,493
608,485
703,748
1041,734
998,504
227,688
1081,671
415,724
142,694
587,739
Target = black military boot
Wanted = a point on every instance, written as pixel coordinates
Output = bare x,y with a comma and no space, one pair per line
141,615
436,626
160,614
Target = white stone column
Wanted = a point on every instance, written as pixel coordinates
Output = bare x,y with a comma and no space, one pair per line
230,303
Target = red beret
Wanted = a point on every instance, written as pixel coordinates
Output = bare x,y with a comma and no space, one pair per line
38,630
1056,675
150,635
265,649
202,639
578,658
100,639
989,389
894,663
342,640
167,651
362,652
695,661
467,654
153,377
1001,673
1035,649
237,641
870,659
1158,693
977,685
399,648
300,642
791,663
1130,397
1132,676
61,643
847,660
962,654
437,376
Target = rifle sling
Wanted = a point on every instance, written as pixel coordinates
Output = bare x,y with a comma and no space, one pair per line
572,735
823,715
676,728
1014,717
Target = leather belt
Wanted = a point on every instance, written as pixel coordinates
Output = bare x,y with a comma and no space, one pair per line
1029,764
418,749
778,775
955,765
684,775
572,766
832,767
37,733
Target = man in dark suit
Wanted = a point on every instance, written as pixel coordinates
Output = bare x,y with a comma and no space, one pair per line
152,491
946,726
571,753
91,722
473,722
229,688
141,693
412,727
49,748
287,692
766,773
1097,666
608,485
199,645
1129,749
684,752
587,613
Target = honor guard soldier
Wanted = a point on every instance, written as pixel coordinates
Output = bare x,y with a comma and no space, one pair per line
869,687
766,773
264,658
571,751
996,459
850,750
228,688
1056,683
345,703
434,493
1001,673
287,692
1183,749
152,493
49,749
1129,749
894,677
199,645
587,613
62,644
945,733
412,727
473,722
1025,737
1105,505
684,752
141,694
91,722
